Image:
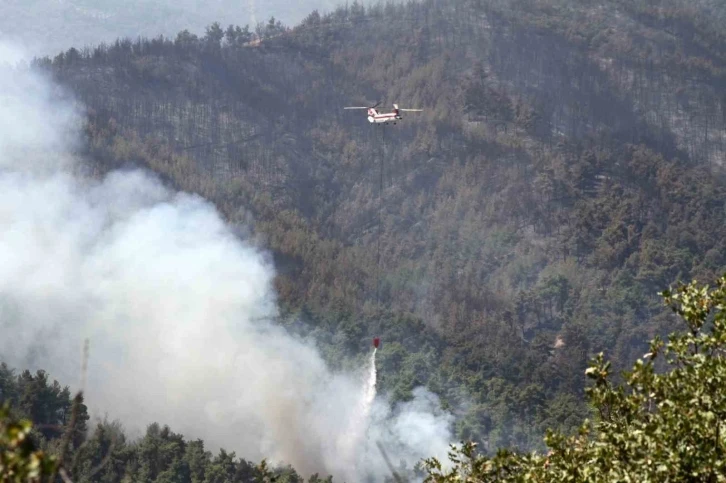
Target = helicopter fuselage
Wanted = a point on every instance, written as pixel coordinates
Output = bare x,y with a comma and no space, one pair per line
376,117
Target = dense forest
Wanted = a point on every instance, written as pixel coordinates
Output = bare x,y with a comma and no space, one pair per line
665,422
567,166
104,452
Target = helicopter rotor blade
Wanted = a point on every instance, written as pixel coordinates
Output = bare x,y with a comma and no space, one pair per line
361,107
411,110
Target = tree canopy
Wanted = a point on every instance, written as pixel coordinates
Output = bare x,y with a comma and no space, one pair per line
660,425
568,165
665,422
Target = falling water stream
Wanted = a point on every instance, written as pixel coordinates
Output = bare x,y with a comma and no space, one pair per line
353,439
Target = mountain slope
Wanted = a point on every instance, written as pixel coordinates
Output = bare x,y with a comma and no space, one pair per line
566,167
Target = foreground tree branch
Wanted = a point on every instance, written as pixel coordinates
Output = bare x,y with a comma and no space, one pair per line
658,426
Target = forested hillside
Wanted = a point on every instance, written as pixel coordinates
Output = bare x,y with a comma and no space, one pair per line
103,452
567,166
660,424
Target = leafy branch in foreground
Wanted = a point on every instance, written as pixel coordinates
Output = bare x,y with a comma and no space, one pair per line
665,425
20,460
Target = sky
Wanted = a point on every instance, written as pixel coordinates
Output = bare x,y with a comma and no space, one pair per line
47,27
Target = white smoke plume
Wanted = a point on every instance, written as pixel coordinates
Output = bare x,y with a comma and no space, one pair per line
176,307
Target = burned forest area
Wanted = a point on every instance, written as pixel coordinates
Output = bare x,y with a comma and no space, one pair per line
566,168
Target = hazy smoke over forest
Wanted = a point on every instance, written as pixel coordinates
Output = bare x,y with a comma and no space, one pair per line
176,308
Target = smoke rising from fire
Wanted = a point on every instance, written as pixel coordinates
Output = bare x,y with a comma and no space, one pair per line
177,308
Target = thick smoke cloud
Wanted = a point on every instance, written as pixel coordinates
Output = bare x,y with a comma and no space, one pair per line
176,307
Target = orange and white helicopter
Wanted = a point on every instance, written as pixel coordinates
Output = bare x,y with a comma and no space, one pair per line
384,118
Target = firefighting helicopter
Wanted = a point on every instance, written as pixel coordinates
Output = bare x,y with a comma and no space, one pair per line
384,118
